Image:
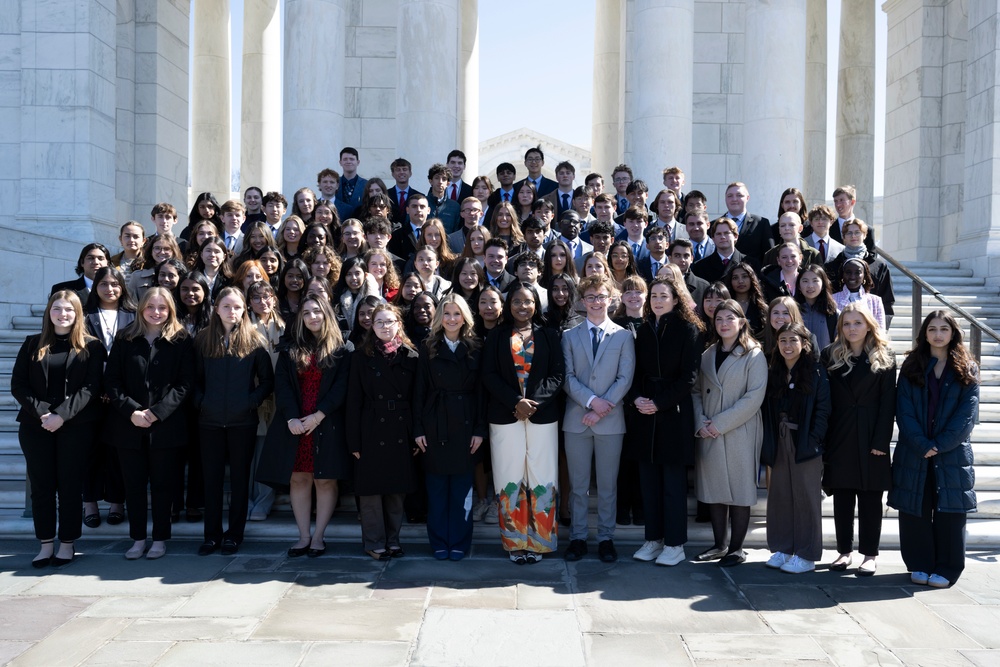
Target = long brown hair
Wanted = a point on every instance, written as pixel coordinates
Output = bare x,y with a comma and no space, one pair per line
745,338
914,367
682,300
305,344
243,339
78,337
172,330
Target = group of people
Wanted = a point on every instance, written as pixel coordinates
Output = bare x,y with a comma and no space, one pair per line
414,343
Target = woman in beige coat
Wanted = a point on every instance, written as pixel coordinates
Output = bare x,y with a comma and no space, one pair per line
727,398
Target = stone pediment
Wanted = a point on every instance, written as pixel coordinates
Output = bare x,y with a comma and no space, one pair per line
510,147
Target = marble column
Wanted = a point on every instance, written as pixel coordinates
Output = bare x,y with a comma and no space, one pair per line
608,109
814,174
314,89
856,102
260,147
468,89
211,100
774,100
661,113
427,60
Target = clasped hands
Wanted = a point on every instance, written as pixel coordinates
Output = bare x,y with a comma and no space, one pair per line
143,418
708,430
599,409
305,425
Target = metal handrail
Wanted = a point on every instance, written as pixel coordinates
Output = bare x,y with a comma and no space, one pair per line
920,285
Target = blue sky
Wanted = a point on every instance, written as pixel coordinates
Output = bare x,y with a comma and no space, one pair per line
522,90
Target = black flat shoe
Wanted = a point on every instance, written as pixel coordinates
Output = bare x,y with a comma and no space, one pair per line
316,553
712,553
378,555
734,558
59,562
565,521
296,552
92,520
208,548
42,562
396,552
229,547
115,518
193,516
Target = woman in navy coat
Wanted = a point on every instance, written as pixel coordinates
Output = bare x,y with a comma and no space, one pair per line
932,474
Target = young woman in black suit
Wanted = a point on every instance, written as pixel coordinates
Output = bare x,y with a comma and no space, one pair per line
57,380
148,378
233,376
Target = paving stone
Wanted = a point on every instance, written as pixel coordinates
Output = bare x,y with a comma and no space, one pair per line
330,586
250,564
392,592
245,654
856,651
637,649
932,658
126,654
238,595
113,575
72,642
734,647
344,620
494,597
784,598
981,622
933,597
10,650
19,581
898,622
982,584
31,618
123,607
486,570
369,654
556,596
481,637
190,629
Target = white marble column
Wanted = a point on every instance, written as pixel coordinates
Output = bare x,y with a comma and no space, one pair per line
260,127
468,89
814,173
608,111
856,102
211,100
315,32
661,120
427,60
773,100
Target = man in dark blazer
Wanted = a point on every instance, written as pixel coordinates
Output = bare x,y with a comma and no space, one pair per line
458,189
534,160
680,256
754,231
844,199
403,241
562,197
352,187
495,261
656,253
94,256
716,265
400,193
506,173
471,215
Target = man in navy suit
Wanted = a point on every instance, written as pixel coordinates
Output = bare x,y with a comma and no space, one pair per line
844,199
635,225
94,256
505,191
754,231
696,225
726,239
495,264
656,253
562,197
600,362
621,176
400,193
352,186
680,256
534,160
458,189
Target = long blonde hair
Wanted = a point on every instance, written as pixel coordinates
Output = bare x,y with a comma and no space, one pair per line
243,339
880,355
78,337
467,334
172,330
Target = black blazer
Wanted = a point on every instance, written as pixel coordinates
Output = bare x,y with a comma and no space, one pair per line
29,384
156,377
398,215
548,371
95,327
79,286
696,286
504,282
228,390
402,243
545,186
710,269
812,418
755,238
331,459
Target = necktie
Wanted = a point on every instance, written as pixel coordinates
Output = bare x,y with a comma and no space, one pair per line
635,249
822,249
506,196
565,201
697,251
402,199
454,191
595,334
655,266
230,242
725,262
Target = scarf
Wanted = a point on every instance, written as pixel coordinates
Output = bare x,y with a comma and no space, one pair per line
855,253
388,348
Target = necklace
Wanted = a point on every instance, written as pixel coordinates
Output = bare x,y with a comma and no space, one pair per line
110,327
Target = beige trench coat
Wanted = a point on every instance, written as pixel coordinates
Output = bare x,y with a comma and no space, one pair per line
726,467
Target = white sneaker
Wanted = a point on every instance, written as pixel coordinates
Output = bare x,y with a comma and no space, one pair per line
491,513
671,556
649,551
937,581
778,559
479,509
798,565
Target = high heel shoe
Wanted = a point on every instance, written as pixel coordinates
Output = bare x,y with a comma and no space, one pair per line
44,561
59,562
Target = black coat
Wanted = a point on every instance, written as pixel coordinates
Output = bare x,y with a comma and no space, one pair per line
772,284
228,390
812,419
548,371
667,358
863,410
755,238
156,377
78,285
82,390
711,269
380,423
330,457
450,409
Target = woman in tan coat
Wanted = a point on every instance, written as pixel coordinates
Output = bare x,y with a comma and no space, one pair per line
727,398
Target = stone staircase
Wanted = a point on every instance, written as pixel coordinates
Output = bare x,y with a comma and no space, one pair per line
957,284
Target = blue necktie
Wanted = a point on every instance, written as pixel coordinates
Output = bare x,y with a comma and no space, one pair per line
596,335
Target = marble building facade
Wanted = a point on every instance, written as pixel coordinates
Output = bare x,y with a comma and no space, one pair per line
94,109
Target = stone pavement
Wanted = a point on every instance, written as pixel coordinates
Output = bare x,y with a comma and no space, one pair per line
343,608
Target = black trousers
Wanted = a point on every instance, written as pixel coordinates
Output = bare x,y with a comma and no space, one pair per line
630,496
103,480
56,463
156,467
933,542
869,504
217,444
190,459
664,498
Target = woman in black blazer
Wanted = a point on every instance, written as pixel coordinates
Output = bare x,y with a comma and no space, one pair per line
109,309
450,424
523,414
57,379
148,378
306,445
233,376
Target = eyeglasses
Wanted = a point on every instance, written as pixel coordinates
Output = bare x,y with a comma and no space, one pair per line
596,298
384,324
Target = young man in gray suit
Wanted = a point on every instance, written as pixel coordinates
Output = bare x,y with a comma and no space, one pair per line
600,361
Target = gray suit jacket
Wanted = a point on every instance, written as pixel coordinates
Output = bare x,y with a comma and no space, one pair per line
607,376
832,252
